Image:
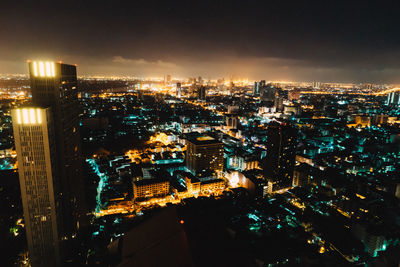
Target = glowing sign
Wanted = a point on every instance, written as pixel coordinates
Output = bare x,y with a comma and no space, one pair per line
29,116
43,69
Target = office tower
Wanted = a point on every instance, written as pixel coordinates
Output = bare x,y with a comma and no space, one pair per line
256,89
54,86
201,93
168,78
278,100
317,85
393,99
34,143
268,93
204,154
278,103
281,153
262,83
178,90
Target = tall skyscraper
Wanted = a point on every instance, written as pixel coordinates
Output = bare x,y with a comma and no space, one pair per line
34,143
202,92
53,87
393,99
256,89
281,154
178,90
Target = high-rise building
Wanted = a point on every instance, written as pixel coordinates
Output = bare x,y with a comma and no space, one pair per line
256,89
281,153
393,99
35,147
54,89
204,154
317,85
268,93
178,90
201,92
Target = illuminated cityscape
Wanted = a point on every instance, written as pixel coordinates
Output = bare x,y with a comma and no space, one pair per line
200,134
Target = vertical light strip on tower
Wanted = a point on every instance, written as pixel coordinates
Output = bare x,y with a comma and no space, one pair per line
41,68
32,115
48,69
35,71
53,73
19,116
39,116
25,115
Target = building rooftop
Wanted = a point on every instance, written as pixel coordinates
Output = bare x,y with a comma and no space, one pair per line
201,139
150,181
212,181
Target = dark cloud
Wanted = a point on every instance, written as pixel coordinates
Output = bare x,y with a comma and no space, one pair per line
301,40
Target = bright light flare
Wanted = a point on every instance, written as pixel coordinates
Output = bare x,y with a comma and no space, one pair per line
43,69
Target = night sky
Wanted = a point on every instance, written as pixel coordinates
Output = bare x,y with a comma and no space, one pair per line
343,41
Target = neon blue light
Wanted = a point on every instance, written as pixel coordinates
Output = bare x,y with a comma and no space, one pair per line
102,183
253,217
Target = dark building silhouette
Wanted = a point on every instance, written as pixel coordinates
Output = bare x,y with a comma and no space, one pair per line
281,154
158,241
268,93
201,93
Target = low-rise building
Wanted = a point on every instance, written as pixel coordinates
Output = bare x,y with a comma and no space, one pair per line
212,186
149,188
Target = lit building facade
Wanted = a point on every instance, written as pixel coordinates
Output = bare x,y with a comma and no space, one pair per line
149,188
256,89
215,186
192,185
34,142
204,153
393,98
54,94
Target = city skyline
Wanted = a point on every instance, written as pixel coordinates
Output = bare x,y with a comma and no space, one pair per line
199,133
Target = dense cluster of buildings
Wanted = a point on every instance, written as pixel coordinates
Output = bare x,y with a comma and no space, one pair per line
311,162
